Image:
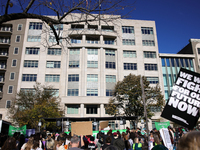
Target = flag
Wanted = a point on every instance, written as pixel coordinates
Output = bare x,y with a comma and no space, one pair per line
12,130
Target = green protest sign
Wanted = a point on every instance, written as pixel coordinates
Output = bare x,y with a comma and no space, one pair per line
160,125
12,130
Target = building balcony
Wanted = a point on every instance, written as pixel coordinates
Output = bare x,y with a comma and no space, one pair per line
4,40
1,95
1,80
2,68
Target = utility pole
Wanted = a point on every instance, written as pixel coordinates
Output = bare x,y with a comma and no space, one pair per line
145,110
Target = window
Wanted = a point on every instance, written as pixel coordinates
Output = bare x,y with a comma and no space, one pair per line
16,50
128,41
72,109
130,66
17,38
32,50
35,25
109,92
54,51
72,92
163,62
148,43
107,28
77,41
131,54
34,38
172,62
92,51
177,62
110,65
91,109
149,54
155,109
53,64
12,76
110,79
28,90
52,78
92,92
92,64
92,78
153,80
10,89
109,41
147,30
150,67
92,40
31,63
14,63
29,77
74,51
127,29
8,104
198,49
73,64
167,61
73,78
19,28
53,92
110,52
52,39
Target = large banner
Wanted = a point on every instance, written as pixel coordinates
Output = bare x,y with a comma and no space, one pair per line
183,104
160,125
12,130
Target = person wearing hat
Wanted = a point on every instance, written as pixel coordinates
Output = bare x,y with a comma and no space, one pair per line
118,142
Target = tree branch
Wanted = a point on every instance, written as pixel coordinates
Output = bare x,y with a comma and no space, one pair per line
7,4
29,6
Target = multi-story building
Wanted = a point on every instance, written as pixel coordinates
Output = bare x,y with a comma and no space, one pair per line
193,48
171,64
84,68
11,45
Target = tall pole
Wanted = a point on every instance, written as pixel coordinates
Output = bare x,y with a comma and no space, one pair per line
145,110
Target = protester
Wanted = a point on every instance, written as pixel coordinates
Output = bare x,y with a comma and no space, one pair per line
137,145
10,144
36,145
49,142
190,141
28,145
75,143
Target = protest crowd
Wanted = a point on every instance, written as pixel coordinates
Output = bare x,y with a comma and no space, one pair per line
181,139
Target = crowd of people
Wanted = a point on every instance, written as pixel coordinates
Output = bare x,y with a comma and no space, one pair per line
181,138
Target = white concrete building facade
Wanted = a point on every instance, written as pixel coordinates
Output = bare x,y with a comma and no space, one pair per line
84,68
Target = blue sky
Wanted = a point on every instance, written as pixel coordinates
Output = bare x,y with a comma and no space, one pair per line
176,21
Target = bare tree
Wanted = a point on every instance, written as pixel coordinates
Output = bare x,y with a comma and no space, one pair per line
90,10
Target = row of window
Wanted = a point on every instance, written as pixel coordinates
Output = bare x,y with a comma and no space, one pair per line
125,29
75,78
90,64
58,51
